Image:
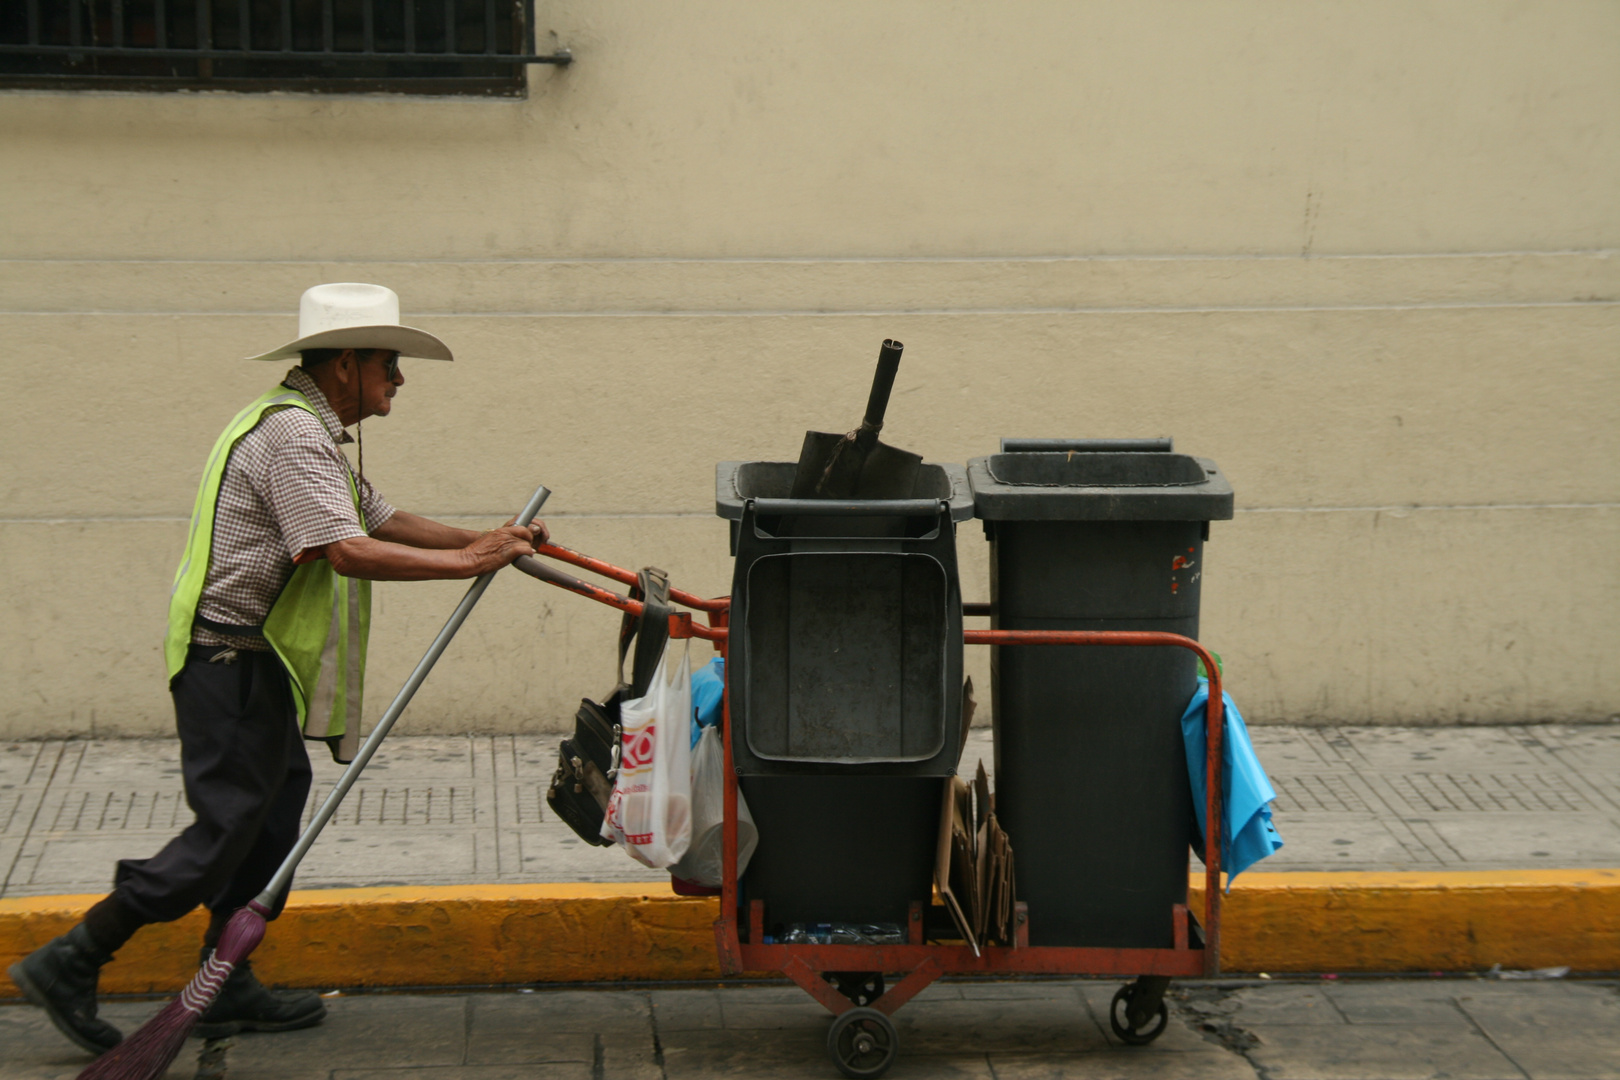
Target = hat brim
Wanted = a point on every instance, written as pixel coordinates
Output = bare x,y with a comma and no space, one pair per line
405,340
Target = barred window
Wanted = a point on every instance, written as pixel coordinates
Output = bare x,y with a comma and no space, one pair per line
406,46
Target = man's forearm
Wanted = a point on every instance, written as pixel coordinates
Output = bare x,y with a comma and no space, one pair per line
415,531
382,560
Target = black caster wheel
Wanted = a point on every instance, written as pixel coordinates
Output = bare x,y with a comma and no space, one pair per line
1119,1020
862,1043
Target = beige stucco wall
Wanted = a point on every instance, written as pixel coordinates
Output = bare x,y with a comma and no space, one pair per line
1361,255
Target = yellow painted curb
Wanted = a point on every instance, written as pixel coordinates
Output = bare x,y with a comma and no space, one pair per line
1453,921
430,936
491,934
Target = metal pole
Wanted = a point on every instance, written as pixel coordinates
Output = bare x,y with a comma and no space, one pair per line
118,22
368,23
489,27
726,927
284,874
410,26
160,23
1214,823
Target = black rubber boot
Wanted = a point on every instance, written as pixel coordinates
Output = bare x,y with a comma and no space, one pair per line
61,979
246,1004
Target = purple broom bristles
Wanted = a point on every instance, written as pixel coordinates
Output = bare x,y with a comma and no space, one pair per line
148,1053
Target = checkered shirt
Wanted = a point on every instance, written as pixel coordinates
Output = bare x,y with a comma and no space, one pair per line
285,489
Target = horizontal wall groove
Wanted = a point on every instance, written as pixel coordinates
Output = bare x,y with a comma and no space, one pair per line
863,285
675,515
854,260
780,313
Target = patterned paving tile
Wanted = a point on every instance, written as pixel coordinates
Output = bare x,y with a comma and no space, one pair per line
472,808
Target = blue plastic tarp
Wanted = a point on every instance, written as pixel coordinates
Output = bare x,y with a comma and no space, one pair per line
708,696
1247,834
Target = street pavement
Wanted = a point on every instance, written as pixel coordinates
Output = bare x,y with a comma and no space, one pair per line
1410,1029
457,810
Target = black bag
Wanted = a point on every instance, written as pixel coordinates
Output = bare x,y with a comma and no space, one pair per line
588,762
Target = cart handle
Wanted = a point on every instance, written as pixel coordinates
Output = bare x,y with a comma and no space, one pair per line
626,577
680,622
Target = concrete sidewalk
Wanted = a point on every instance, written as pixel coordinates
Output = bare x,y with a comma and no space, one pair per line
446,810
1438,849
1458,1029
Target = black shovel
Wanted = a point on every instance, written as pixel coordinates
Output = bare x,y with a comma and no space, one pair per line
856,465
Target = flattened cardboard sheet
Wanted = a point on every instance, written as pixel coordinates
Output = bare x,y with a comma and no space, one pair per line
952,857
973,863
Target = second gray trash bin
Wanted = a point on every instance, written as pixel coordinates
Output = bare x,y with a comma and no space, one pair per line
1091,775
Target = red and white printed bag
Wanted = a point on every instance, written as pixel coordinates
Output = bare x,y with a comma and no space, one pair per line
650,811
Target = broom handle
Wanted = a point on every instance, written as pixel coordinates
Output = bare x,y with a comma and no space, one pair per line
266,899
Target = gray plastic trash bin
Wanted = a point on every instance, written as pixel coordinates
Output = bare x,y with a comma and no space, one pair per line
1091,776
844,670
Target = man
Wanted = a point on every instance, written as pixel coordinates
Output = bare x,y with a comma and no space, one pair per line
266,648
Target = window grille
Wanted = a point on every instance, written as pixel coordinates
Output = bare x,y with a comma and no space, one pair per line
410,46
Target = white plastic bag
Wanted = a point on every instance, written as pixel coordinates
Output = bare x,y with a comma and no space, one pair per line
701,864
650,811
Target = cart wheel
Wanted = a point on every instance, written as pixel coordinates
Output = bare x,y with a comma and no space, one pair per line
1119,1020
862,1043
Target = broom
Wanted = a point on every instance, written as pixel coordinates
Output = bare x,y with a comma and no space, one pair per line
149,1051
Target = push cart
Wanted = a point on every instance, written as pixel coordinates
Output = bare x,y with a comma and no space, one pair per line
848,979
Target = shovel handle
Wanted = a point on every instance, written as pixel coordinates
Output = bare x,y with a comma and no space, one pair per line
882,385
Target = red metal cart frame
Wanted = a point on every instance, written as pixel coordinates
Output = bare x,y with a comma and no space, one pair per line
921,963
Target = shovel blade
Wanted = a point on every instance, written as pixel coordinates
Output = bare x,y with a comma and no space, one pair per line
835,467
887,473
819,448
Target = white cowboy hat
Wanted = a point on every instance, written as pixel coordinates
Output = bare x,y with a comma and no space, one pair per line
350,315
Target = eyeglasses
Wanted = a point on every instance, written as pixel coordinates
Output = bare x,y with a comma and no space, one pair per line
391,367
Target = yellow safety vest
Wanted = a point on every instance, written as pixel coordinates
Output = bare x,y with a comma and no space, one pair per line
320,621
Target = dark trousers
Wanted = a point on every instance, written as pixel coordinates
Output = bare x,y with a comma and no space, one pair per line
246,775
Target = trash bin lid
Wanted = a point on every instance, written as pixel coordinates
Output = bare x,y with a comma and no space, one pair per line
1098,484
